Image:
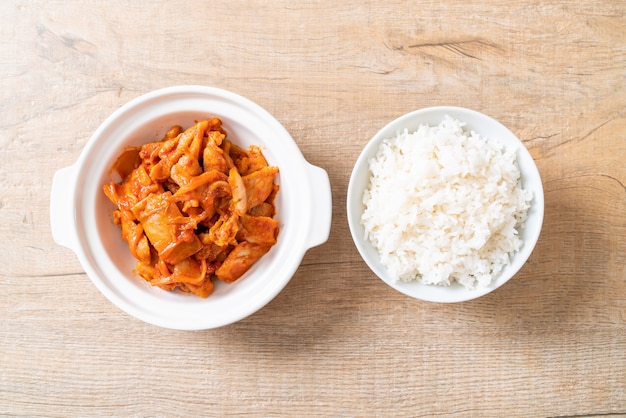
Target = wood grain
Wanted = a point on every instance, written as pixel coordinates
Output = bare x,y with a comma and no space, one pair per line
336,341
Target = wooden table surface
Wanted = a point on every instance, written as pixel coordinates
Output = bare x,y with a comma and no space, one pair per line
336,341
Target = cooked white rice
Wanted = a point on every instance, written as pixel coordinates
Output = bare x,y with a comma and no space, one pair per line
444,205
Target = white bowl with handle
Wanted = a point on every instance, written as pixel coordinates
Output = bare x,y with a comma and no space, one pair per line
81,215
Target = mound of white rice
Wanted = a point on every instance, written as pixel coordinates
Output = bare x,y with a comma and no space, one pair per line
444,205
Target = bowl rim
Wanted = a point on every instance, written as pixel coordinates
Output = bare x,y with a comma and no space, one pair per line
139,300
433,115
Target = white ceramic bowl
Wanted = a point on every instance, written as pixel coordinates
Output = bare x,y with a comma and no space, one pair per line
81,215
486,127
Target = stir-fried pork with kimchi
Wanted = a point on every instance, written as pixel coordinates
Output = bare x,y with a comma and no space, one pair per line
194,207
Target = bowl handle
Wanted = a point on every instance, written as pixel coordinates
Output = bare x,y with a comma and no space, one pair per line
322,206
62,208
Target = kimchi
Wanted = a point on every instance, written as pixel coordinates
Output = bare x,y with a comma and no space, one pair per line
194,207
